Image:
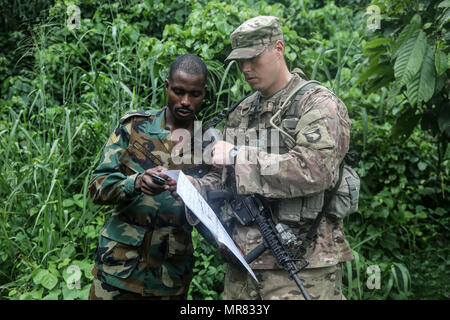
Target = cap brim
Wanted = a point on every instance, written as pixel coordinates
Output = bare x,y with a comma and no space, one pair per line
245,53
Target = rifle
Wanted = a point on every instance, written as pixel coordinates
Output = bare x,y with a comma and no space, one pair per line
252,209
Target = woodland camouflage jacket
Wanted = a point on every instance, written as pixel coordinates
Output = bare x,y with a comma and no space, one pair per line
145,246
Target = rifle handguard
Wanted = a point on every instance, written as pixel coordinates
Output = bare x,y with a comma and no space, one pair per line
255,253
219,195
273,241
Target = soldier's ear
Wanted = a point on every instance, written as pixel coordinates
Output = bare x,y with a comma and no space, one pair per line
166,84
279,47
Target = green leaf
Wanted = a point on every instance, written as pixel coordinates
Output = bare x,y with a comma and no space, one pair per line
64,263
405,276
49,281
67,203
440,61
72,276
389,241
365,126
410,57
405,123
406,33
445,18
33,295
378,70
421,87
427,76
86,267
444,4
53,295
72,293
45,278
37,275
67,252
422,166
377,42
444,119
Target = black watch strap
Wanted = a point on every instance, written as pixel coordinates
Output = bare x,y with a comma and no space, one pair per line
233,154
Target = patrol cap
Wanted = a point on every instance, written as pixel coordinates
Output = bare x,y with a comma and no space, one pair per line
252,37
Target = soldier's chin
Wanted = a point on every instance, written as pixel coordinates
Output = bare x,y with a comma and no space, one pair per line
184,115
254,85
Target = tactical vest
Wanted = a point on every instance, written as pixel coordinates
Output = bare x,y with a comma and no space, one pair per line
255,118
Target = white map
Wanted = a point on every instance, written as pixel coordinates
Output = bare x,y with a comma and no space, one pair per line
195,202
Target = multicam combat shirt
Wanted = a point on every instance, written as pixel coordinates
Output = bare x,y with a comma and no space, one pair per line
145,246
319,122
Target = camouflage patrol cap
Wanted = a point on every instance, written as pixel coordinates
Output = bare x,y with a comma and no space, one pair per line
252,37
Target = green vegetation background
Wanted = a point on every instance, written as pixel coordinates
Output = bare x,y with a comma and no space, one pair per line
63,91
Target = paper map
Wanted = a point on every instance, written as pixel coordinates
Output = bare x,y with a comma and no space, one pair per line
195,202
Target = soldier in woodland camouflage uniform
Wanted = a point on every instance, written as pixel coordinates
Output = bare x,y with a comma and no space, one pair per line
145,249
314,137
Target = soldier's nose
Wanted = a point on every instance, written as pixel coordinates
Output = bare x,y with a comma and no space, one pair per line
245,66
185,101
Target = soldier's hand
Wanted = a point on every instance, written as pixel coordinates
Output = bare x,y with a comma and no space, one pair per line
221,154
172,187
144,182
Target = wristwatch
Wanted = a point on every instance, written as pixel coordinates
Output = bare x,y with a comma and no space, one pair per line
233,153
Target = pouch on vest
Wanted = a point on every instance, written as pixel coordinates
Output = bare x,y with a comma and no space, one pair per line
347,196
289,210
294,209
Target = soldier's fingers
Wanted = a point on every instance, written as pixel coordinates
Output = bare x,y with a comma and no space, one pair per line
157,172
147,181
164,176
171,181
170,188
150,191
175,195
159,169
218,164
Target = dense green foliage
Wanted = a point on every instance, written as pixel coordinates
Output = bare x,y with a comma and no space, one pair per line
62,92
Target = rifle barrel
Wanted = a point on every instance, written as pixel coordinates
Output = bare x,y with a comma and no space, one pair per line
302,288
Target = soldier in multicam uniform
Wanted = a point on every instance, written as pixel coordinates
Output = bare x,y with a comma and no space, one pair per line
314,137
145,248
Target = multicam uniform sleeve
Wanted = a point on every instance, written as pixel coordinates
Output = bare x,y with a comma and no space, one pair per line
109,184
210,181
322,139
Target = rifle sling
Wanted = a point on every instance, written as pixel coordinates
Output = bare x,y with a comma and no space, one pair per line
315,225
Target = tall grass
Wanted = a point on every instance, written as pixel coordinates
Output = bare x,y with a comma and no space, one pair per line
51,145
394,280
59,113
50,149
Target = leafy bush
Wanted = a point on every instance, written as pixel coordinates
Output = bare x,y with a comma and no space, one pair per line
209,270
62,92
